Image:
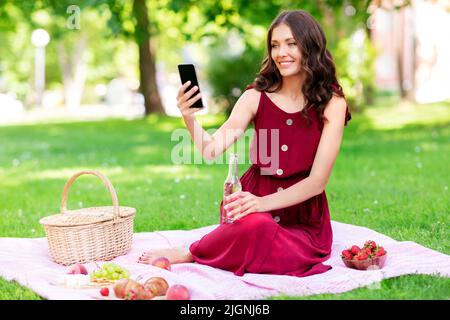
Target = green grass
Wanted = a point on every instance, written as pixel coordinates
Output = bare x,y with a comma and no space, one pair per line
391,176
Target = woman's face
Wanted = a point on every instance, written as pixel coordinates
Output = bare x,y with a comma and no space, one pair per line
285,51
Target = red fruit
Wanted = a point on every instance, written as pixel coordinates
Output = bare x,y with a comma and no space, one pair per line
178,292
380,252
362,256
347,255
355,250
368,251
370,244
131,295
162,262
104,292
77,268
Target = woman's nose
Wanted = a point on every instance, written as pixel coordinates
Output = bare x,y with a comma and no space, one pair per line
282,52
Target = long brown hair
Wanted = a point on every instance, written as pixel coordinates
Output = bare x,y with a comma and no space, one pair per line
317,63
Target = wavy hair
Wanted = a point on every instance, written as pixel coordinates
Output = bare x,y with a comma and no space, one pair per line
317,63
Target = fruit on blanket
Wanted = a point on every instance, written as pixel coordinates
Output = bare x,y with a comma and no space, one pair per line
157,286
371,256
362,255
131,290
370,244
77,268
162,262
178,292
346,254
380,251
104,291
111,271
355,249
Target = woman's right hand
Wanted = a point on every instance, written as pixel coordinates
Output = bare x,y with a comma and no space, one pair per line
185,100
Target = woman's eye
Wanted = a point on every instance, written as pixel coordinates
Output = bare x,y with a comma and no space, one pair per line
274,45
292,44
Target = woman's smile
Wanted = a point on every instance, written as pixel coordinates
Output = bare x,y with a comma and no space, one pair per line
286,64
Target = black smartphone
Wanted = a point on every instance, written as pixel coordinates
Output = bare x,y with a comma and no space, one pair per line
187,73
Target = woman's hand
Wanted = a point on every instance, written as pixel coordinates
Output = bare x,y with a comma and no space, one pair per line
242,203
185,99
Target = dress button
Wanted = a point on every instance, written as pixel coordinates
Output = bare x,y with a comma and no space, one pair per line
284,147
289,122
276,219
279,172
280,189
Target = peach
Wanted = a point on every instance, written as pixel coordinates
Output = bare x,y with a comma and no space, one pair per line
129,289
77,268
178,292
162,262
157,286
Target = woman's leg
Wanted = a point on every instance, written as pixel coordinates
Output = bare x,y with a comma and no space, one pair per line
175,255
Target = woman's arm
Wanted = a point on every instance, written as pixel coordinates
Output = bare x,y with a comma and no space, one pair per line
211,146
241,203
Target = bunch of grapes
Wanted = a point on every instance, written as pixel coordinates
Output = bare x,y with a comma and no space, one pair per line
111,271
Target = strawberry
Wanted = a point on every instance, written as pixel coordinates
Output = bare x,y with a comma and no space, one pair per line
370,244
380,252
131,295
368,251
346,254
362,256
355,250
104,291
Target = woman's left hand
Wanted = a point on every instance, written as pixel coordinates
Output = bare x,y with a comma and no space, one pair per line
241,203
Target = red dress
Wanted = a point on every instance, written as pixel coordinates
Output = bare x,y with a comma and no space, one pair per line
289,241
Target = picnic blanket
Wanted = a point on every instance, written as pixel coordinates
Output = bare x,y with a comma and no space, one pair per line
27,261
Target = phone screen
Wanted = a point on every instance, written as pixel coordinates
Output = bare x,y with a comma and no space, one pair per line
187,73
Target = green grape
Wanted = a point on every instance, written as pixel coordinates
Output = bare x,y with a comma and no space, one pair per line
111,271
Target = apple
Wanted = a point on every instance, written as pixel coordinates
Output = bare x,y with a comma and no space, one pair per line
162,262
178,292
77,268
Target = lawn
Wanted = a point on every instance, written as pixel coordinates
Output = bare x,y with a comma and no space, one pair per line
391,176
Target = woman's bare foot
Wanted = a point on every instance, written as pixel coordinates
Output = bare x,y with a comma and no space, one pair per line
175,255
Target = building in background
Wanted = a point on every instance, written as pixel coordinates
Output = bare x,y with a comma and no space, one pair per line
414,50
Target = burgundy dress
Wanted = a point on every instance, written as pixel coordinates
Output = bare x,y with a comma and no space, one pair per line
289,241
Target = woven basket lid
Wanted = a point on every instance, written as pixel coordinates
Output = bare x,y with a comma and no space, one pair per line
80,217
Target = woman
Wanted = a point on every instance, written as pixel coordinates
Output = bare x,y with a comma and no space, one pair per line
281,218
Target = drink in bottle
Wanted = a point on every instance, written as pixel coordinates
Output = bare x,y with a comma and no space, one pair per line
232,184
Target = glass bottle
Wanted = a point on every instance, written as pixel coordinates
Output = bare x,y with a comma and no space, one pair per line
232,184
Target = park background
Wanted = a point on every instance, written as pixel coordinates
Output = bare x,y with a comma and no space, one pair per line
92,85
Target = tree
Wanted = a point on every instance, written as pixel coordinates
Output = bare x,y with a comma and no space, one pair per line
147,66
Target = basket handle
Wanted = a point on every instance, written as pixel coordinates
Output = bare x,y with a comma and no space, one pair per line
102,177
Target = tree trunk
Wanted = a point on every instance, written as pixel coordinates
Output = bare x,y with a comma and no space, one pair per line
147,66
400,52
74,71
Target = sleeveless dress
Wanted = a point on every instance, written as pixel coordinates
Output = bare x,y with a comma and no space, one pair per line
290,241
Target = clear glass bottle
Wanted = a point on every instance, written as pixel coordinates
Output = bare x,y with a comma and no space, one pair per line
232,184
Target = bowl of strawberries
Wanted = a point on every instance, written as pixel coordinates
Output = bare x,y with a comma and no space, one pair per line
370,257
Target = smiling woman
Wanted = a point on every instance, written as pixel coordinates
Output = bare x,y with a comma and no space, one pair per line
280,219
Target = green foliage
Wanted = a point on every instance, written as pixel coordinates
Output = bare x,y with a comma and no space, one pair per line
230,72
355,63
110,27
105,56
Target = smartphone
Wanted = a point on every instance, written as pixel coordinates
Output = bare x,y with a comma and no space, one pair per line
187,73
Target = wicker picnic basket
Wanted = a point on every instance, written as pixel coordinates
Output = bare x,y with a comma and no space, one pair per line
89,234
